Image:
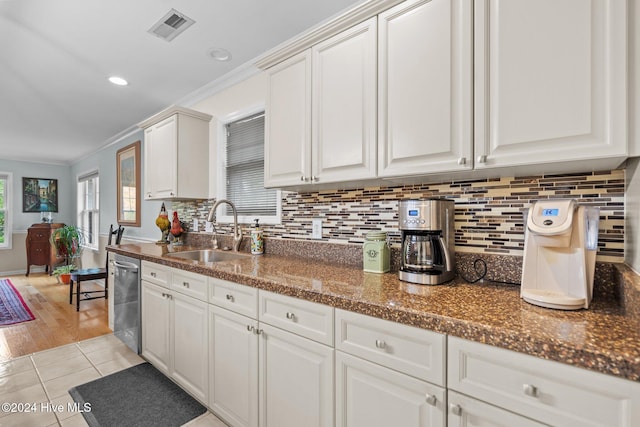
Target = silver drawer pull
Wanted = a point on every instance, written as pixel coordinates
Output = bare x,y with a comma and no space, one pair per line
250,328
257,331
431,399
381,344
229,297
185,284
290,315
530,390
455,409
152,274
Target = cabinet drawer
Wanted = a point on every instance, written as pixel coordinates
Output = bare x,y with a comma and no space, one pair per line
191,284
155,273
468,412
235,297
546,391
305,318
414,351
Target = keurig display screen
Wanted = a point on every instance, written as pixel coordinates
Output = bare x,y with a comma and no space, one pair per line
414,212
550,212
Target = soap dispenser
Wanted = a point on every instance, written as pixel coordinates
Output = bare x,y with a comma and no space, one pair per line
257,242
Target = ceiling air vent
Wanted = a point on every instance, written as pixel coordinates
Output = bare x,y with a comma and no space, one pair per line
171,25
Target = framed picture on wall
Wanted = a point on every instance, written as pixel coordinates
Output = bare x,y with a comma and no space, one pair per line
128,176
39,195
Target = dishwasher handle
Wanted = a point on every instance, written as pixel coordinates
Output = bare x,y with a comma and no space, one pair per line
126,265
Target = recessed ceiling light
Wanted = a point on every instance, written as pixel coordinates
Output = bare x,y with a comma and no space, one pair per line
220,54
118,81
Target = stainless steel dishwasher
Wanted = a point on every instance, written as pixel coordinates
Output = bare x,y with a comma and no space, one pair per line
126,301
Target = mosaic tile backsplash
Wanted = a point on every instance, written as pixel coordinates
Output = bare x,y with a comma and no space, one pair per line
488,219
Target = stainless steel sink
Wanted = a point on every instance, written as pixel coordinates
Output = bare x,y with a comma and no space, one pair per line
208,255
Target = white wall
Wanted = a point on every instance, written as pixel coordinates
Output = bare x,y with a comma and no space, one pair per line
634,78
105,162
249,93
14,260
632,214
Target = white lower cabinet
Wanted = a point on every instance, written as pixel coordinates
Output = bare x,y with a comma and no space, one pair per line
369,395
549,392
233,369
466,411
296,380
156,326
174,337
260,359
388,373
190,351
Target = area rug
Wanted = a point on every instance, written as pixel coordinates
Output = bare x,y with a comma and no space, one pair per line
12,306
139,396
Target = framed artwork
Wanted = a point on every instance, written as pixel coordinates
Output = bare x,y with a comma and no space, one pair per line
39,195
128,176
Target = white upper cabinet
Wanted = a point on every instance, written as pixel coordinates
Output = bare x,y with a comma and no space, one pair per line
287,155
550,81
321,116
424,97
176,155
344,106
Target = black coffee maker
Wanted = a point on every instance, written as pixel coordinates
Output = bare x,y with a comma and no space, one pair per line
428,247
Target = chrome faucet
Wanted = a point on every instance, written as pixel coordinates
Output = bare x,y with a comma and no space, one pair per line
237,232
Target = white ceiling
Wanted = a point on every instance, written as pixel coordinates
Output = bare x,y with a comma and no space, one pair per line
56,105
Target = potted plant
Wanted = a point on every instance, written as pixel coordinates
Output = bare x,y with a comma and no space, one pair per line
63,273
68,243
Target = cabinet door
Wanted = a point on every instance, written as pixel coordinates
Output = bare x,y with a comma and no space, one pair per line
468,412
369,395
160,159
287,156
424,96
156,326
233,372
190,350
344,105
296,380
549,95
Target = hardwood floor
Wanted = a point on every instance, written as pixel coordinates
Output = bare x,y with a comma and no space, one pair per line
56,321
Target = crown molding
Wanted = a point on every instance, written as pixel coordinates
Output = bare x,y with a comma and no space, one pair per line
323,31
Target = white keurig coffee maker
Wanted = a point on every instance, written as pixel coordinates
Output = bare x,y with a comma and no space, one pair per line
561,241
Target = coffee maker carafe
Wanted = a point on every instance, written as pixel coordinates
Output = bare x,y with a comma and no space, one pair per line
428,247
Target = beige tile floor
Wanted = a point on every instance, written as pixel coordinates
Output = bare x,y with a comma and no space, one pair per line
39,383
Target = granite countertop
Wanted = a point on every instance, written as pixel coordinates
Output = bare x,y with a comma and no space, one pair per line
604,338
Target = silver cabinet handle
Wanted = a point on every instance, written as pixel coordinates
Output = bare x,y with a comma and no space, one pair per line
530,390
482,158
152,274
462,161
250,328
314,178
229,297
185,284
431,399
258,331
455,409
171,194
304,178
381,344
167,296
290,315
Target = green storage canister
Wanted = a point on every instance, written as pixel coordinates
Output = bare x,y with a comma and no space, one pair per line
376,254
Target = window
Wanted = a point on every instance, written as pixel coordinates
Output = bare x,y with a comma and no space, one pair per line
88,208
5,210
243,180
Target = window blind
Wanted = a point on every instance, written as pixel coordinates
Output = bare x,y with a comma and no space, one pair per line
245,168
